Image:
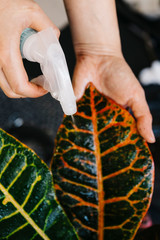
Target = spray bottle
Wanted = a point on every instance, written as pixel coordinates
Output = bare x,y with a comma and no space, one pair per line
43,47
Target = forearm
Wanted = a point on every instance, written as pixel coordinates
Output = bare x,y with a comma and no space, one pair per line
94,26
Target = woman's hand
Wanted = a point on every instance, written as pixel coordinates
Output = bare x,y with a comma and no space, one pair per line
112,76
97,46
15,16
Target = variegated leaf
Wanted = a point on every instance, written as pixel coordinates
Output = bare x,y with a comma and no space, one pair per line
103,170
28,208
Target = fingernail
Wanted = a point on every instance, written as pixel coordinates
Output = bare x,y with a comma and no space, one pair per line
152,137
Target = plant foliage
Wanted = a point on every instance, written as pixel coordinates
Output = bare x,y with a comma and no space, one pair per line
103,176
28,207
102,169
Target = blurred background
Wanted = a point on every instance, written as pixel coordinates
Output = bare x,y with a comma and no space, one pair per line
35,121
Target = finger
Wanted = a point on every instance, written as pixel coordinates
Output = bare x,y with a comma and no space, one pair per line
80,82
144,125
16,75
6,88
41,21
11,60
144,118
18,81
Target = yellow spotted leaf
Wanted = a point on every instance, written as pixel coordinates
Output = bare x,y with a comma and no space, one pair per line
28,207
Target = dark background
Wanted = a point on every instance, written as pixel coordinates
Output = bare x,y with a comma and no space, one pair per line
35,121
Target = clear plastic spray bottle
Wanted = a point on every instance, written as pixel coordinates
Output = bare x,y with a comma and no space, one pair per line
43,47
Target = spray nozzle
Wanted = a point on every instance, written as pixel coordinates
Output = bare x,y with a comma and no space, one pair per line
43,47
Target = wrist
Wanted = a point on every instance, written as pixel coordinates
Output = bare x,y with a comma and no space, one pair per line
95,49
94,26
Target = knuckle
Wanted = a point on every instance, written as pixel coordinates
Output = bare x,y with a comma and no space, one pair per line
30,8
35,6
150,118
4,58
139,95
17,88
142,92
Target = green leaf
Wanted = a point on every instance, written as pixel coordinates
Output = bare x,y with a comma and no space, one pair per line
102,169
28,207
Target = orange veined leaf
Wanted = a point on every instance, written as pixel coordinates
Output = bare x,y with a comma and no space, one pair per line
103,170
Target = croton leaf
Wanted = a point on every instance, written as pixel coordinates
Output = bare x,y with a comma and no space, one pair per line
102,169
28,208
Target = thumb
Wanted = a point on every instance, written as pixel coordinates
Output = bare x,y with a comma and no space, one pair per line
80,80
144,119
